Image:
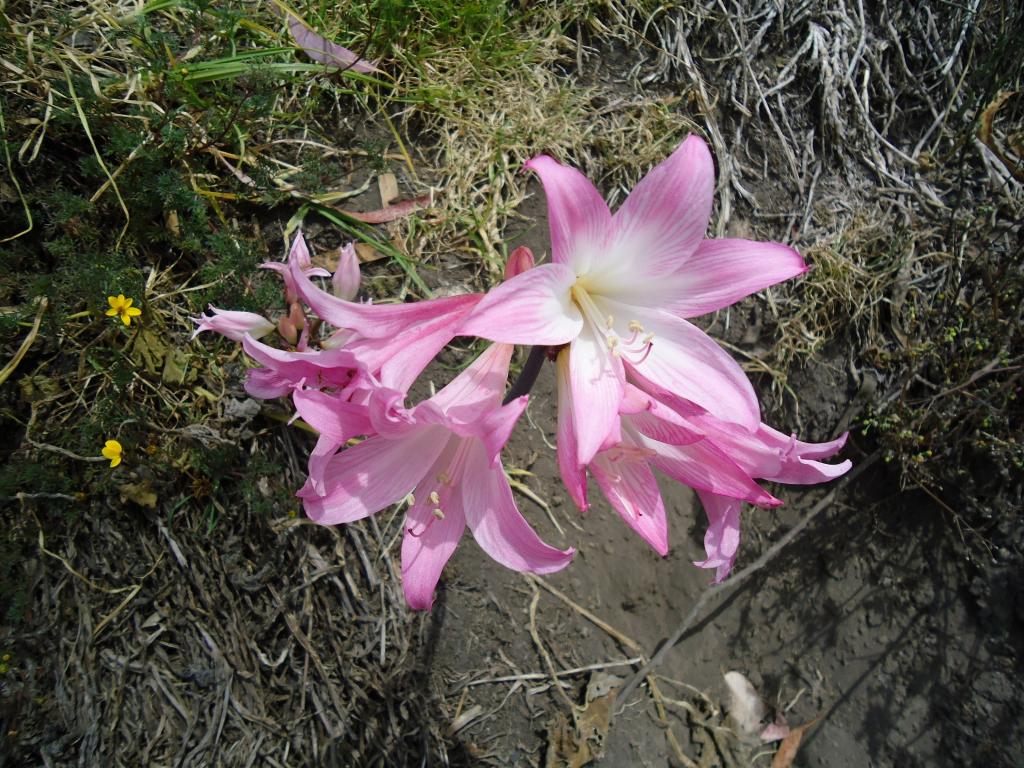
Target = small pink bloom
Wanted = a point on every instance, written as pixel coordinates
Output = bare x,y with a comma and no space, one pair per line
234,325
446,452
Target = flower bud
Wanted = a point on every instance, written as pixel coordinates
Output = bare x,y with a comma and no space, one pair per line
346,276
520,260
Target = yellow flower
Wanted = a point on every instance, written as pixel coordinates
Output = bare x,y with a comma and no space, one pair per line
122,307
112,450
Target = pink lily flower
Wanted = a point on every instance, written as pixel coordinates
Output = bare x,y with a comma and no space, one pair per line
718,459
619,290
233,324
446,452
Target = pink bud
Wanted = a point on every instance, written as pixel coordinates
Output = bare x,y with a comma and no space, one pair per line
233,324
346,277
288,331
520,260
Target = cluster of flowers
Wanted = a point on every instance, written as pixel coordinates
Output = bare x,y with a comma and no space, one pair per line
639,387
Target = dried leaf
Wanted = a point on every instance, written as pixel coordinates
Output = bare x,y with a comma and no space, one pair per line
148,351
575,748
389,212
367,252
787,750
388,186
324,51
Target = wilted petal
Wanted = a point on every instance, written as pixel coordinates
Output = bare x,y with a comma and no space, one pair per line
721,272
498,526
533,308
722,540
577,214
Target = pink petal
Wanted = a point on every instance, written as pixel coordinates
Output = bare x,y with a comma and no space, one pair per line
535,307
399,359
688,363
663,220
722,540
266,384
324,51
629,485
375,320
597,381
495,429
498,526
573,474
331,367
577,214
721,272
373,475
429,541
331,415
319,460
706,467
479,388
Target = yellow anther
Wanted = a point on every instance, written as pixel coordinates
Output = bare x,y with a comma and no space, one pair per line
411,499
436,512
443,479
648,339
636,326
434,498
612,342
610,322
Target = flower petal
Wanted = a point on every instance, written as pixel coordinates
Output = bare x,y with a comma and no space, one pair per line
498,526
372,475
573,473
705,467
479,388
433,526
375,320
722,540
662,221
535,307
597,381
627,482
687,362
721,272
332,415
577,214
266,384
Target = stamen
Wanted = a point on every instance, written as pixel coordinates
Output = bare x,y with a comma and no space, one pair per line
438,513
434,498
443,478
636,326
411,499
610,322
